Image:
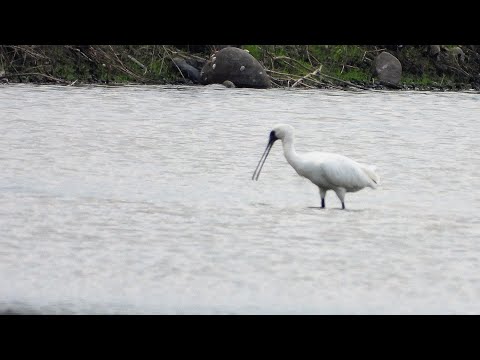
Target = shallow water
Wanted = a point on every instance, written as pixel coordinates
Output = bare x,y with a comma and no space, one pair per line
136,200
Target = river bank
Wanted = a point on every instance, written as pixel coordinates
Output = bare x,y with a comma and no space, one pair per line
423,67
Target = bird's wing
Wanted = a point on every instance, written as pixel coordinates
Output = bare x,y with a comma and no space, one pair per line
341,171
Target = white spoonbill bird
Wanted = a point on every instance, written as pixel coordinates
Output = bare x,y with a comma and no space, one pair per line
326,170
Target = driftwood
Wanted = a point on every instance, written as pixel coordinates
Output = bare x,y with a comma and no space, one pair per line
291,78
285,76
301,80
308,75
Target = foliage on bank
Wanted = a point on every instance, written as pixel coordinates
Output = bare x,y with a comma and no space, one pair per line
452,67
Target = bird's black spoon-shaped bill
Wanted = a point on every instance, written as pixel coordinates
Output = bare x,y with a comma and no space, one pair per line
259,167
261,162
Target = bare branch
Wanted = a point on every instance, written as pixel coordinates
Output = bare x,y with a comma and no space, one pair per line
307,76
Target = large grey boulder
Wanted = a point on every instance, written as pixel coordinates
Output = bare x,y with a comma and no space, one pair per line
388,69
237,66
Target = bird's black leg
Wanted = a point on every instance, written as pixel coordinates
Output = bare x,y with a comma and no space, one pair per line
322,196
341,196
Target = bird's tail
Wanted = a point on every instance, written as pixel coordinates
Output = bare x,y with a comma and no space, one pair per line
370,171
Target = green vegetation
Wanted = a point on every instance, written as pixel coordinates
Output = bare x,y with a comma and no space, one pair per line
354,64
302,65
254,50
88,64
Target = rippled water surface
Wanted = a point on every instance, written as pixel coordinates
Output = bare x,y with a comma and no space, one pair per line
135,200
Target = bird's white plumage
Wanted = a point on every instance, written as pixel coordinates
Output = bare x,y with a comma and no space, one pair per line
326,170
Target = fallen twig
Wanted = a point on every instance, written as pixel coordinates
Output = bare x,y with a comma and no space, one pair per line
29,51
138,63
308,75
79,51
459,70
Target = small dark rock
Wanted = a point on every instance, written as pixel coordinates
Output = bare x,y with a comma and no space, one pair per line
228,84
